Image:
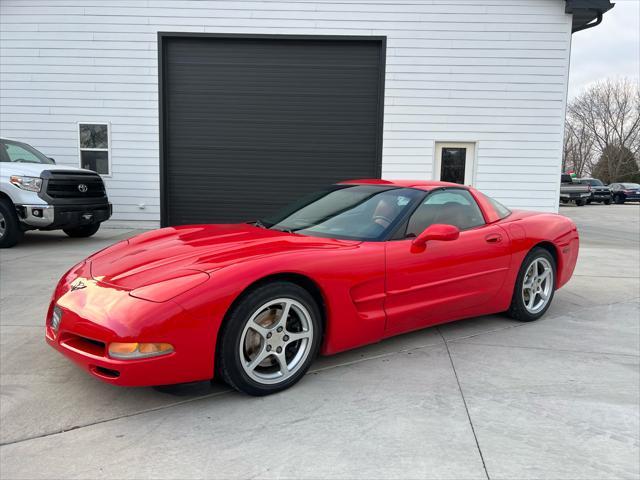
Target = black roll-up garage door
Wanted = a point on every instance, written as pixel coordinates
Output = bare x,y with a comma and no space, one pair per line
249,124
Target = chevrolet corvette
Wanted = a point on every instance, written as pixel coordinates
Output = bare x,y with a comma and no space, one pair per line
254,303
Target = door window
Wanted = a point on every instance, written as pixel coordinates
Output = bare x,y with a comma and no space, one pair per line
451,207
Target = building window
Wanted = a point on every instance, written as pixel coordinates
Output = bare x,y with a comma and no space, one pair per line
455,162
94,147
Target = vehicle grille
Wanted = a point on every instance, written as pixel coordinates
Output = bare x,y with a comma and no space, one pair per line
68,185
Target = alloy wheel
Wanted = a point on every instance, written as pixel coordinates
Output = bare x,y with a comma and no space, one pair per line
276,341
537,285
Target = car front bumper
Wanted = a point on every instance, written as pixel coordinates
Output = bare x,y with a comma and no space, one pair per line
601,196
95,315
574,196
51,217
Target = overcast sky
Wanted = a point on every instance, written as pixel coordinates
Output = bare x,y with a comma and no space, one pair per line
611,49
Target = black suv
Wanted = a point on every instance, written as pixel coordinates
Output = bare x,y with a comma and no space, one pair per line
599,191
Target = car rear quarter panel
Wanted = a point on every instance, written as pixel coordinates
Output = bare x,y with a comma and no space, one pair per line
529,229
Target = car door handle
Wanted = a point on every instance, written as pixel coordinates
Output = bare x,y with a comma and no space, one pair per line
493,238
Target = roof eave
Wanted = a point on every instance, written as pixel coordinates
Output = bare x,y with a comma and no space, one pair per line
587,13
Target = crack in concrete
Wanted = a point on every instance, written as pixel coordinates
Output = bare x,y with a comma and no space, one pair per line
466,408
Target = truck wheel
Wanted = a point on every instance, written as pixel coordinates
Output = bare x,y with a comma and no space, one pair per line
607,201
589,202
579,203
10,231
82,232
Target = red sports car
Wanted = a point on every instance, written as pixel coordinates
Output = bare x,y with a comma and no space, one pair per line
254,303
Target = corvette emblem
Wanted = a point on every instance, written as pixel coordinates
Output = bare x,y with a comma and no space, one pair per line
82,187
79,285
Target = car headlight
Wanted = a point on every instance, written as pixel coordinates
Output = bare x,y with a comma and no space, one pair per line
131,351
33,184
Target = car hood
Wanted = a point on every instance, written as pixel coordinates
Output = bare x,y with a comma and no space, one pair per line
168,253
35,169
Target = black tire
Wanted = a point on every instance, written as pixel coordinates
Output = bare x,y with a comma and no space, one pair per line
82,232
518,310
228,359
618,199
607,201
579,203
10,231
589,202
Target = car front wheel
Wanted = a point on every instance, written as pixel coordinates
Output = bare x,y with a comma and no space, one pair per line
619,199
10,231
535,286
269,339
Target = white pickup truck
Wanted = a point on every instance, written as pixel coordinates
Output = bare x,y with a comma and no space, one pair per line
35,194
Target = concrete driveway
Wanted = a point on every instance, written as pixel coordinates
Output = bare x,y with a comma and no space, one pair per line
481,398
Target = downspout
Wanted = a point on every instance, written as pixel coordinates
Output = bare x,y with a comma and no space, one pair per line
590,25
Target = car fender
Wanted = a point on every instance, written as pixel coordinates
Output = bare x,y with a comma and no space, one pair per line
350,280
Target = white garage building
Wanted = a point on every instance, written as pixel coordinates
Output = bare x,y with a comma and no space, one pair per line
224,110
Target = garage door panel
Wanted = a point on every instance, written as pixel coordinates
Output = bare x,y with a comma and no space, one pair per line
252,124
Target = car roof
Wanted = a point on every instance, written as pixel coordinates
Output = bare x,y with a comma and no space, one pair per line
418,184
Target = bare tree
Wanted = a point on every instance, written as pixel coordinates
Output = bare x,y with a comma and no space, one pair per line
609,114
579,153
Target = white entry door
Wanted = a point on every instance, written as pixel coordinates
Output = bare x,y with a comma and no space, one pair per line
454,162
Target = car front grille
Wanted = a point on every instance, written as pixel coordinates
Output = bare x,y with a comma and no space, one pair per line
75,185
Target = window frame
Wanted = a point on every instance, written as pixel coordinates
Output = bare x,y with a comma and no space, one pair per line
471,158
108,149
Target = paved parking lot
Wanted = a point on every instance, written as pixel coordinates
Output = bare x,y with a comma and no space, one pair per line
481,398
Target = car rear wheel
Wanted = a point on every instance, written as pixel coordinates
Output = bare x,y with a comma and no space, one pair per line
82,232
10,231
269,339
535,286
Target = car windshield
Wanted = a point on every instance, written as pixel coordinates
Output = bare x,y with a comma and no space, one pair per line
17,152
594,182
630,185
352,212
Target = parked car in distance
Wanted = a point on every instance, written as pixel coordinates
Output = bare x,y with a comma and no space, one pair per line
599,191
253,303
625,192
35,194
571,191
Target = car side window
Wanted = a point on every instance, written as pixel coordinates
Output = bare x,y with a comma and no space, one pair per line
450,207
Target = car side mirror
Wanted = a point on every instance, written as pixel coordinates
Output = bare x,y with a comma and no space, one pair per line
437,231
53,160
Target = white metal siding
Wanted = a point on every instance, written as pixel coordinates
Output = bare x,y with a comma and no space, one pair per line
487,71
